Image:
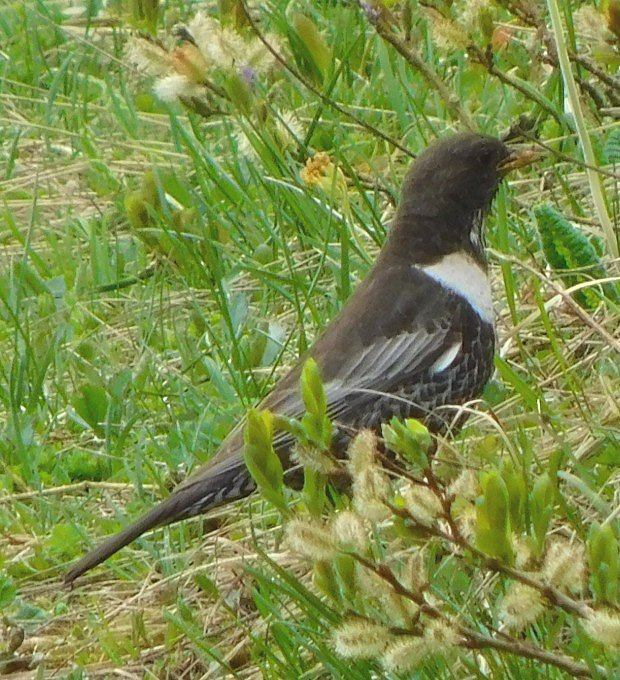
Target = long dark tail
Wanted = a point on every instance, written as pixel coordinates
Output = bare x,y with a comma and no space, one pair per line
196,496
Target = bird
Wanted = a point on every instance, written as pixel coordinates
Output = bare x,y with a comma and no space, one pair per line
416,337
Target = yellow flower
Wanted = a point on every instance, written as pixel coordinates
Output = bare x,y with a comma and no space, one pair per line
317,169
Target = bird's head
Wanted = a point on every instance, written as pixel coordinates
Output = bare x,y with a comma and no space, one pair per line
447,191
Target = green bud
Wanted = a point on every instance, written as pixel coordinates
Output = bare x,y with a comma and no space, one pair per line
263,253
261,460
317,427
137,210
314,491
239,93
604,562
313,47
145,14
517,493
312,391
410,439
541,501
344,566
487,23
286,424
326,580
493,534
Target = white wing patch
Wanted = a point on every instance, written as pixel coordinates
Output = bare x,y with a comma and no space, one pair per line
382,362
387,357
446,359
462,274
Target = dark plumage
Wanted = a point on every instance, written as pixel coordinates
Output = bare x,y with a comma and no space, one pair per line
417,335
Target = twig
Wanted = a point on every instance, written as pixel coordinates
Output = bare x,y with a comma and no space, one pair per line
472,639
69,489
560,155
125,283
485,58
591,66
324,98
553,595
613,342
530,17
452,102
574,668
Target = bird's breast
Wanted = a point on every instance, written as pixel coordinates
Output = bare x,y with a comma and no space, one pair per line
461,274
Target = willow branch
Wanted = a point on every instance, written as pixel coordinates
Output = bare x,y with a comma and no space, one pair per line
470,638
385,31
455,537
518,648
307,85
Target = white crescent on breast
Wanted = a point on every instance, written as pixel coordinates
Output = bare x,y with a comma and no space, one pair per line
462,274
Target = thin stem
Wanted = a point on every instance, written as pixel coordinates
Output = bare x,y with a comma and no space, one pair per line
324,98
470,638
384,30
574,668
596,187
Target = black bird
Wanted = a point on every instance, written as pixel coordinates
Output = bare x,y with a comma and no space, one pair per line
417,335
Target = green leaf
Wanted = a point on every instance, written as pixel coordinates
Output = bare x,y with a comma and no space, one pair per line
92,406
517,493
410,439
315,424
312,391
541,503
344,566
604,562
207,585
64,540
326,580
611,150
261,460
566,248
493,535
239,93
314,491
312,47
533,400
8,591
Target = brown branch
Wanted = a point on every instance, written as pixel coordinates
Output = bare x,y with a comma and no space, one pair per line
385,31
591,66
561,156
324,98
470,638
518,648
529,15
485,58
553,595
455,537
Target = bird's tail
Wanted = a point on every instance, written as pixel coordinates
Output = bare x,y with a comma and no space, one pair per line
195,496
156,517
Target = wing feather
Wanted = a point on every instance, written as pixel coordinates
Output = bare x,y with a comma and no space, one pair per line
359,353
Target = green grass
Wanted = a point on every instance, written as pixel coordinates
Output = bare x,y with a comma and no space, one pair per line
160,269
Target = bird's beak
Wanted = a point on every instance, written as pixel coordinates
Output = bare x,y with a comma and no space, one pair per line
518,158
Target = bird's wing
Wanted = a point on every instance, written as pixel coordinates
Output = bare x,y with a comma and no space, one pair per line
387,363
377,367
364,350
